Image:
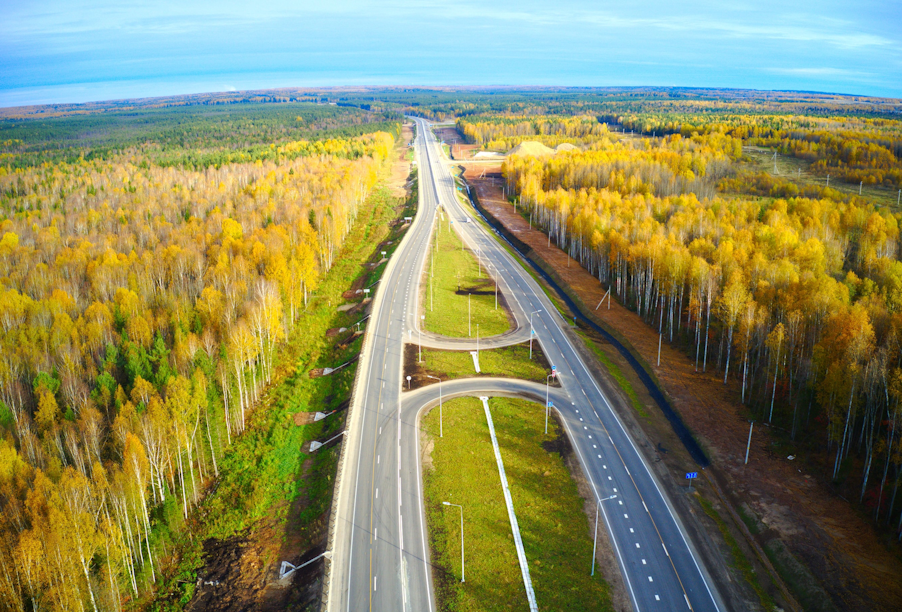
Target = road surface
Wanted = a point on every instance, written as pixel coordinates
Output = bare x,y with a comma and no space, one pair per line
380,558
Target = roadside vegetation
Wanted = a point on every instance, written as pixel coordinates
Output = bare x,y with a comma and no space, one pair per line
556,532
177,303
459,296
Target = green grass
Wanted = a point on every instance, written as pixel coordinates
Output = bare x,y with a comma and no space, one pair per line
446,309
739,560
511,361
556,534
617,374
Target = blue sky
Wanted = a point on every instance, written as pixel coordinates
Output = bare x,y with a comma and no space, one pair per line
75,51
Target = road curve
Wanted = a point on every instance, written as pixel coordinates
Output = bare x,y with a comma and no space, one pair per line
380,557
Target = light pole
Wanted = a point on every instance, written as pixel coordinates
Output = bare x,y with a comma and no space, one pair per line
469,328
595,543
420,331
547,403
531,332
496,283
477,342
461,538
441,433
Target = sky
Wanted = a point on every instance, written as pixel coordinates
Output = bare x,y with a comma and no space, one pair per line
55,51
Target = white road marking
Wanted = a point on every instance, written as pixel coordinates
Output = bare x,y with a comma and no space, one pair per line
643,562
637,545
657,598
377,493
650,579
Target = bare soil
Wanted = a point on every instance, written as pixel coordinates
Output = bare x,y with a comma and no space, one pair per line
823,531
455,142
242,573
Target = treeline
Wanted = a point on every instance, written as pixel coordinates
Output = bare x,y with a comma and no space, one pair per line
673,165
506,131
798,299
852,149
187,136
140,308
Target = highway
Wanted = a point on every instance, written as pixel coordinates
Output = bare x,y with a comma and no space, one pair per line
380,559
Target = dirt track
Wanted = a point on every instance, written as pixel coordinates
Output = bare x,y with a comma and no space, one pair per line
839,547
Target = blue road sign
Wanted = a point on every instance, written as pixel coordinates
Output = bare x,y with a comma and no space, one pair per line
551,404
691,475
554,368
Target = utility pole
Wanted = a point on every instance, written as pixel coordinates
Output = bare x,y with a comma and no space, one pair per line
469,328
749,445
531,332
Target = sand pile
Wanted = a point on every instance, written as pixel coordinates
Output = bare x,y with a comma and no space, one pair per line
532,148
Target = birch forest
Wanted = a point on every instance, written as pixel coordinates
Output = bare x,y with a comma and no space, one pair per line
146,281
791,289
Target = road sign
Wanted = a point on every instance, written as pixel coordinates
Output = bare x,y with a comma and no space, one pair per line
554,368
691,475
550,404
553,374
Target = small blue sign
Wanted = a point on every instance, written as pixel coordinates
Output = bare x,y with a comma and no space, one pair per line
550,404
554,368
691,475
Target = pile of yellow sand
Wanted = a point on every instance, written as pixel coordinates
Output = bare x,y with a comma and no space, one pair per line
532,148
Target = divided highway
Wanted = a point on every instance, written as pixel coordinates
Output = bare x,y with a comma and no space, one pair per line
380,557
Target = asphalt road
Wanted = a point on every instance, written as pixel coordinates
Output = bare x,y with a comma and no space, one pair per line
380,559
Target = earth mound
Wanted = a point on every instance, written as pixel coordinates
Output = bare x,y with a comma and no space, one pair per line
531,148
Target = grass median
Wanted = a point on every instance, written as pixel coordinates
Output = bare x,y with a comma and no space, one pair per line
458,280
508,361
556,534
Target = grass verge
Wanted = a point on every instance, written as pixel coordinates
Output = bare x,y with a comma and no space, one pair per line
556,535
266,485
508,361
617,374
458,297
738,559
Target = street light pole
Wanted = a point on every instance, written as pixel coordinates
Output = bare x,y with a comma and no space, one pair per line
496,283
469,328
477,342
441,433
546,403
461,538
595,543
531,332
420,332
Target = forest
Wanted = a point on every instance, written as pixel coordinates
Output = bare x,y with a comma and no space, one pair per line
155,256
147,278
796,295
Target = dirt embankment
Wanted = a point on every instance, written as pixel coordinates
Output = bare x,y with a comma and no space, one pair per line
796,509
459,149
